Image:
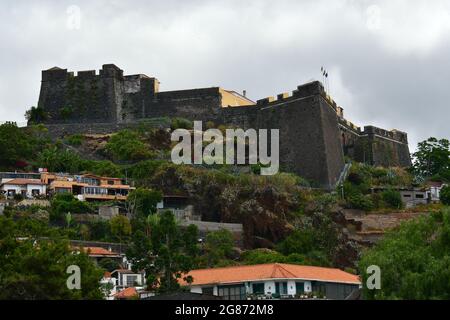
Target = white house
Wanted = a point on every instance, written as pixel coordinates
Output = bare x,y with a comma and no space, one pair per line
28,188
435,190
275,280
127,278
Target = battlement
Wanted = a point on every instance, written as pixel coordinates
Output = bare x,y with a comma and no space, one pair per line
89,74
392,134
349,125
303,91
55,74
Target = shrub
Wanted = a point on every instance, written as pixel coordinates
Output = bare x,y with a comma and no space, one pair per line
106,168
355,178
126,145
392,198
360,201
181,123
445,195
63,203
75,140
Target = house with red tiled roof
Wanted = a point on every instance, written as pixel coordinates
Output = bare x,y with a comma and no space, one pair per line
274,280
99,253
27,188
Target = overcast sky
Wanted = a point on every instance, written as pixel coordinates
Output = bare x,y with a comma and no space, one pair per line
388,61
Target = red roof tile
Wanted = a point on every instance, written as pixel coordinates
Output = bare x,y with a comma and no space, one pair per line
99,251
127,293
25,182
270,271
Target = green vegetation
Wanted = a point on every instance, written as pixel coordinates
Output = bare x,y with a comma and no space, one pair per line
75,140
414,260
31,272
166,252
392,198
66,203
17,146
126,145
180,123
120,227
35,115
279,212
218,248
445,195
432,160
357,190
142,202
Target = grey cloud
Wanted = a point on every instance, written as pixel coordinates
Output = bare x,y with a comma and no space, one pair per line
390,70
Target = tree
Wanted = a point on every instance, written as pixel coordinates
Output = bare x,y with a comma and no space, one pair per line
64,203
35,115
106,168
167,253
142,202
61,160
444,195
15,145
32,271
218,246
120,227
414,260
126,145
432,159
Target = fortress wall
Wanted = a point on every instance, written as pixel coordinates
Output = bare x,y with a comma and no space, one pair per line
197,104
332,141
309,138
241,117
385,152
86,97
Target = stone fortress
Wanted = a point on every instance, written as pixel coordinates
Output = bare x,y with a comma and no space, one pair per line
315,138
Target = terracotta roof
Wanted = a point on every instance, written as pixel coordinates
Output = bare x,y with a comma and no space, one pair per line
62,184
270,271
99,251
107,274
25,182
126,293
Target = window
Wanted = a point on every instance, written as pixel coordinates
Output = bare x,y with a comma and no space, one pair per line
299,287
209,291
131,280
35,192
236,292
406,196
419,196
95,190
90,181
110,181
258,288
281,287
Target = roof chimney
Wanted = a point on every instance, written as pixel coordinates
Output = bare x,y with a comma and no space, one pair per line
244,93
